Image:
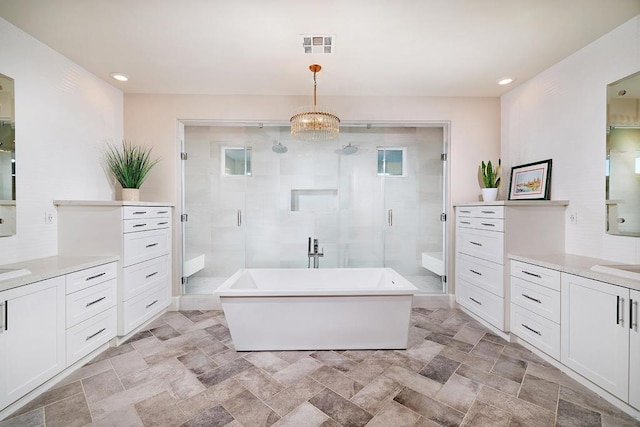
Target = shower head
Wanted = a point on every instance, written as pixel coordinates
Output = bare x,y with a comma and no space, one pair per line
279,148
349,149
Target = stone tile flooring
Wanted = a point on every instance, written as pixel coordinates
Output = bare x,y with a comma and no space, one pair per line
183,370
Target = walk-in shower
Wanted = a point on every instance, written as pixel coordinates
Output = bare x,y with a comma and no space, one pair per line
253,196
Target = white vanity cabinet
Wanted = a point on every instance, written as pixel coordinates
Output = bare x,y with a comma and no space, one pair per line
596,333
32,339
634,349
140,234
485,234
91,315
535,306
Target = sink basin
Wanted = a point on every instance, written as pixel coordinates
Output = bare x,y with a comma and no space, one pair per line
12,273
622,270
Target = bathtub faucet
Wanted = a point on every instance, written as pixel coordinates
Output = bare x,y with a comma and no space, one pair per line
315,254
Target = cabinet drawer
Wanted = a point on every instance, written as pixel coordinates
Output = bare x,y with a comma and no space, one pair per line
90,276
88,302
142,307
137,212
484,274
536,330
85,337
485,304
538,299
134,225
141,277
487,245
481,211
490,224
145,245
536,274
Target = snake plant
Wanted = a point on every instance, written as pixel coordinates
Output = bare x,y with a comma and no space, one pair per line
490,175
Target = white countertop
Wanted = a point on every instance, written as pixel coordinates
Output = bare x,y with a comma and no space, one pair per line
516,203
108,203
46,268
578,265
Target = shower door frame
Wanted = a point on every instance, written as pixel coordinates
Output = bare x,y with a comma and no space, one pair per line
207,301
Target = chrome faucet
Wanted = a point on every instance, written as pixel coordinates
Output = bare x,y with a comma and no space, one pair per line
315,254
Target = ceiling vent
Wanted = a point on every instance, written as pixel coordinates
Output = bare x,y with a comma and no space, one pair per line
318,43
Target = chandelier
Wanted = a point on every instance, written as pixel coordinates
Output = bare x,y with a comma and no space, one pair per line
314,123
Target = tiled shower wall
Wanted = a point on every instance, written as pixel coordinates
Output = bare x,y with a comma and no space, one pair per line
352,226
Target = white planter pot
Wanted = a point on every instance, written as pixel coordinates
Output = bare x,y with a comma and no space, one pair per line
489,194
130,194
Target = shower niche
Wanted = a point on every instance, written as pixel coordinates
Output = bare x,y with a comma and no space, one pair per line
373,197
314,200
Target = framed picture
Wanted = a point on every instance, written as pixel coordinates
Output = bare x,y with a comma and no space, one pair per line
531,181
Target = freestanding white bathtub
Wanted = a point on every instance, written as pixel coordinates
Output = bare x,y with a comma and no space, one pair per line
317,309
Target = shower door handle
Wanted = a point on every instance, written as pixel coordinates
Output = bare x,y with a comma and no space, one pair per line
239,218
390,217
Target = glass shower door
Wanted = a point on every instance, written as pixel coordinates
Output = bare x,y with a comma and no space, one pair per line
412,172
214,175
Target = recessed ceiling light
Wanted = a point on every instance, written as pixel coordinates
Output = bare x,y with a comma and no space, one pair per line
120,77
505,80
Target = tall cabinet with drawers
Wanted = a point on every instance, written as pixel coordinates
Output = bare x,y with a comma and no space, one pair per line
140,234
485,234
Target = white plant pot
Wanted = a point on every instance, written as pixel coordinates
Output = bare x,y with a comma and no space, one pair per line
489,194
130,194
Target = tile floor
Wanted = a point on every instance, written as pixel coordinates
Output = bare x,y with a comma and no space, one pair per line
183,370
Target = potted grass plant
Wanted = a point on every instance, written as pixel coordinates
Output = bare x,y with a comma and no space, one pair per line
129,164
490,180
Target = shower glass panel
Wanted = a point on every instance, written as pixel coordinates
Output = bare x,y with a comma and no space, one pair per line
214,204
414,200
254,195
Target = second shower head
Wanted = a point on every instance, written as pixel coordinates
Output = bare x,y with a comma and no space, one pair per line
349,149
279,148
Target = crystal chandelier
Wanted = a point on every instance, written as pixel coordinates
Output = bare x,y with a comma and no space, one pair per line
314,123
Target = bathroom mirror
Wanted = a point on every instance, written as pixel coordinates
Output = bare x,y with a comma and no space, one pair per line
7,158
623,157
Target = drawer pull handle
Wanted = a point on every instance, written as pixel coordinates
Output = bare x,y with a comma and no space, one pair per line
486,224
94,277
488,212
531,329
475,272
163,212
475,300
97,333
95,302
532,298
619,310
5,316
465,211
140,212
163,223
152,245
476,243
151,275
139,225
465,222
532,274
149,305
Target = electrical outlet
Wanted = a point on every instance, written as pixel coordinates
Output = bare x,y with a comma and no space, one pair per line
573,218
48,217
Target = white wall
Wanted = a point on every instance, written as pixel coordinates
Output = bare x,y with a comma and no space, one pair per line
561,114
152,119
63,117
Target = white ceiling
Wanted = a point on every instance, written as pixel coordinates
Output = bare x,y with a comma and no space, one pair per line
382,47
